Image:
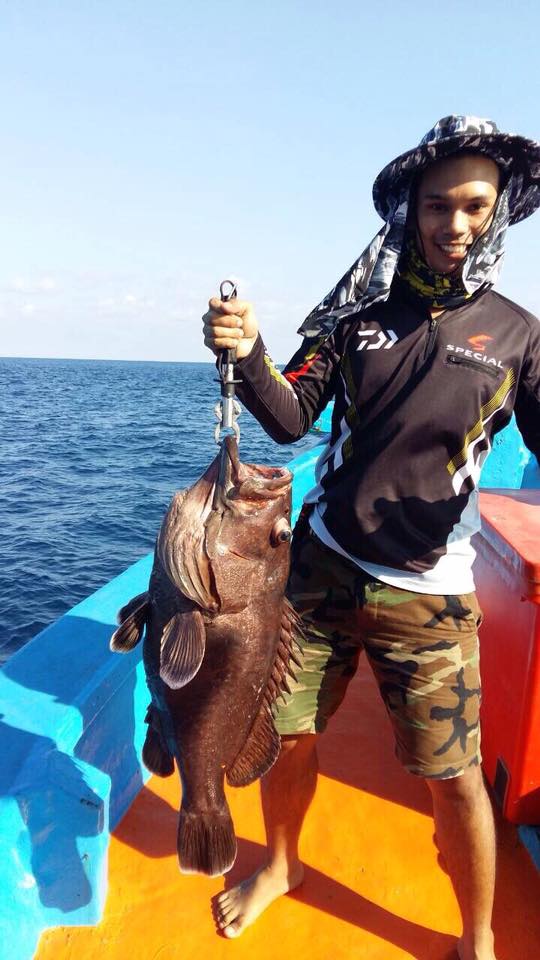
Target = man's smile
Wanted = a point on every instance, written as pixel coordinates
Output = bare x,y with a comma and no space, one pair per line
454,249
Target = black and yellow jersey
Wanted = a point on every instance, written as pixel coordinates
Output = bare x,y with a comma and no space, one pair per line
417,404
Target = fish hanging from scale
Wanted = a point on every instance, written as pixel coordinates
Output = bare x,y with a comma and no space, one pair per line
220,638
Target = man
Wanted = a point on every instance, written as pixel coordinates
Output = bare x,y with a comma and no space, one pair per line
426,364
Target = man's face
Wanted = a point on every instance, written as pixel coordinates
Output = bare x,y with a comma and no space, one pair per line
455,203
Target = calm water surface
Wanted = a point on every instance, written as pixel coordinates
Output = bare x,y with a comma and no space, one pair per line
91,452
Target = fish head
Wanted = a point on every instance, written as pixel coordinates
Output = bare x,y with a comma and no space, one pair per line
229,530
251,510
248,530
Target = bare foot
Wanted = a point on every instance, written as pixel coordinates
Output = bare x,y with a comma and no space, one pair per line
237,908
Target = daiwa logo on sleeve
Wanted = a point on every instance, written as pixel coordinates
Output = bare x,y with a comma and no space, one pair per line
479,353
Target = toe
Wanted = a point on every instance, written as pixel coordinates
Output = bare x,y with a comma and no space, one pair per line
228,896
227,914
232,930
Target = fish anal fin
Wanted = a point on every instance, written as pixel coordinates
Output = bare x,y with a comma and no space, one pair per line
132,619
259,752
182,648
155,757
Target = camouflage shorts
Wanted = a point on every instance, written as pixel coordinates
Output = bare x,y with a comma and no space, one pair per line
423,651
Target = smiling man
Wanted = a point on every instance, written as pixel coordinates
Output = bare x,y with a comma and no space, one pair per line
455,203
426,364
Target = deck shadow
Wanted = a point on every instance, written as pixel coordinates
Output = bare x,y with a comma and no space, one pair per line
318,891
516,917
133,829
321,892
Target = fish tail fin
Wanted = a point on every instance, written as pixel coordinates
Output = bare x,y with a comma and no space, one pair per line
206,842
132,619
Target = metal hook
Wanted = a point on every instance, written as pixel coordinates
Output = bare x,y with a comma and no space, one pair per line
228,294
227,409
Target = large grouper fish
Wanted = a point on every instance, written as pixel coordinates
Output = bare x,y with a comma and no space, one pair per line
220,639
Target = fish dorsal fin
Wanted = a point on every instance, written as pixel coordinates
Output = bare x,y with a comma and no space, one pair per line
259,752
262,744
182,648
132,619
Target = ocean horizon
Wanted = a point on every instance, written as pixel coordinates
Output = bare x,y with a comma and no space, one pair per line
91,452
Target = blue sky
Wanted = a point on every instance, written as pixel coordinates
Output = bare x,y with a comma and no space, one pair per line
151,149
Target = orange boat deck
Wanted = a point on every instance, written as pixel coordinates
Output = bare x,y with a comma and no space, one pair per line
373,887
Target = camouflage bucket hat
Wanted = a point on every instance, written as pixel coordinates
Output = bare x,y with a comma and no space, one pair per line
370,277
517,156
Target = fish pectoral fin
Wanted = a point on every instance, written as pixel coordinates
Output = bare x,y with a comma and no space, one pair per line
131,607
132,619
259,752
182,648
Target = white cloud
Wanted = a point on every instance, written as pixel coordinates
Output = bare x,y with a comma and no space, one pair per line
131,302
27,286
129,316
27,309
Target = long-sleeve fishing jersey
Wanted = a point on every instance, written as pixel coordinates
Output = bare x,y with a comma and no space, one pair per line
417,403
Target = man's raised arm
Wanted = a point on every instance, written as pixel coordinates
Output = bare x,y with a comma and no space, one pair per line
285,404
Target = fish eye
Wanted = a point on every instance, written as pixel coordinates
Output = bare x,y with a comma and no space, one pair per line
281,532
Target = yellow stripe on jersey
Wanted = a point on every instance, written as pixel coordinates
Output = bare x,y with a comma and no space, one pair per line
274,372
497,401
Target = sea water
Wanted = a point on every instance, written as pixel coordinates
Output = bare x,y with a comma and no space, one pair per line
91,452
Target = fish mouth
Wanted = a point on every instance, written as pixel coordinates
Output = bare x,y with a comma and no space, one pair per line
229,467
246,481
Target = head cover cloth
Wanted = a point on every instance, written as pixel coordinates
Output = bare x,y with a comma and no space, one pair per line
370,277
